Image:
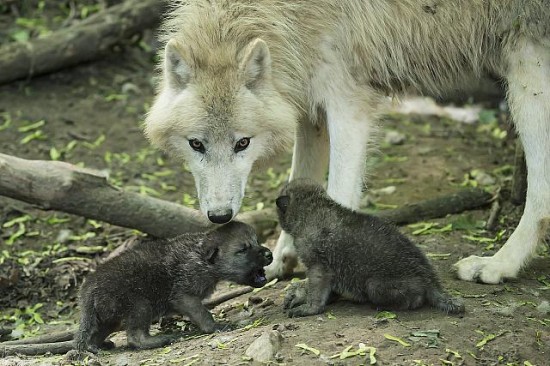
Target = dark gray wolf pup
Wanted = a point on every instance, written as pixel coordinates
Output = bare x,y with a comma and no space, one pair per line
355,255
160,277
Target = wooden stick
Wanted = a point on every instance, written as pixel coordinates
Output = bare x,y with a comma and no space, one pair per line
466,199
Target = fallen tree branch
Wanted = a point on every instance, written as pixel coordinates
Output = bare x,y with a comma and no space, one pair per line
220,299
85,41
466,199
55,185
55,348
62,336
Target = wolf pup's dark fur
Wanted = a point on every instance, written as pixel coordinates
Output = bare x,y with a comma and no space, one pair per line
355,255
160,277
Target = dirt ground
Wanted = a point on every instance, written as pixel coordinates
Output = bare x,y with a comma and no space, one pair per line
91,115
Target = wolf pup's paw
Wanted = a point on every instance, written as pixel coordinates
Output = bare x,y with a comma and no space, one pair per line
295,296
305,310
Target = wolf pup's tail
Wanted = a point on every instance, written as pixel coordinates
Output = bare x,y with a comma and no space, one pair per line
445,302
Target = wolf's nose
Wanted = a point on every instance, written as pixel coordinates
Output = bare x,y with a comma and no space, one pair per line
222,218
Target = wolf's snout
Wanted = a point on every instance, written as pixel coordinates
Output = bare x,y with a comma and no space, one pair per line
220,217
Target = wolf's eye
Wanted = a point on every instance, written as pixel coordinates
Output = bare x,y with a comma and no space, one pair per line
242,144
196,145
243,249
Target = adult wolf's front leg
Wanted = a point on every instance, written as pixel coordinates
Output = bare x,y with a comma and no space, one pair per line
529,97
310,160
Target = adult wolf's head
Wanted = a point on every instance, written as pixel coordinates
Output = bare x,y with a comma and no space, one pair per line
219,109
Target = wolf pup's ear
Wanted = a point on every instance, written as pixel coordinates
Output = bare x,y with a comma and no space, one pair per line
212,254
282,203
256,63
176,69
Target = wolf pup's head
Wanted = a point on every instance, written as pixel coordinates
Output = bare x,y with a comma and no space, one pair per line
235,253
298,202
218,108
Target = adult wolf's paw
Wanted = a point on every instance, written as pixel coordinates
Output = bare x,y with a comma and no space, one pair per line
285,258
484,269
305,310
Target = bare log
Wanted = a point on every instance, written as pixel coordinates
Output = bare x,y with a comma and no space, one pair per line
61,336
85,41
55,348
466,199
55,185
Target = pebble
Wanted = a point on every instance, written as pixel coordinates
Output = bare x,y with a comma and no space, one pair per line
266,347
394,138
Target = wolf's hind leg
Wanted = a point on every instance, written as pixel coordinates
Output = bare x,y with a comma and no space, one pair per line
529,97
310,160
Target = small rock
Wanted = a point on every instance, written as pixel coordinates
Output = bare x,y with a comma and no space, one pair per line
544,307
264,348
279,357
506,310
63,236
266,303
291,326
483,178
326,359
215,342
128,88
121,360
255,299
385,191
394,138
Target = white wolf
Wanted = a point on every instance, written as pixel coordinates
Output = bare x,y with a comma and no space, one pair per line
241,77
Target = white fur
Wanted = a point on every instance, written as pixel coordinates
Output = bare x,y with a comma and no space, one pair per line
349,130
241,68
529,97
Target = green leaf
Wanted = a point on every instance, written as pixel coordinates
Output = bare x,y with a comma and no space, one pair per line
54,154
270,283
385,315
304,346
32,126
397,339
488,338
17,220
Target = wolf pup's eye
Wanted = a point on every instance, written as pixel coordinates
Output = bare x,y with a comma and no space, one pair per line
242,144
243,249
196,145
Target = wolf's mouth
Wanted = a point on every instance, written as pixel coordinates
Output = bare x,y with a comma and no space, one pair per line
258,277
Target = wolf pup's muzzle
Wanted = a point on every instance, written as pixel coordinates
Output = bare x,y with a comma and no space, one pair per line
268,256
258,274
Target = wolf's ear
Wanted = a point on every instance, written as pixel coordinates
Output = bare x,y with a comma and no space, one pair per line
212,254
176,69
256,63
282,203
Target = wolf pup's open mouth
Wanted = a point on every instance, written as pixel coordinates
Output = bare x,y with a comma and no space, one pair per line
258,277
